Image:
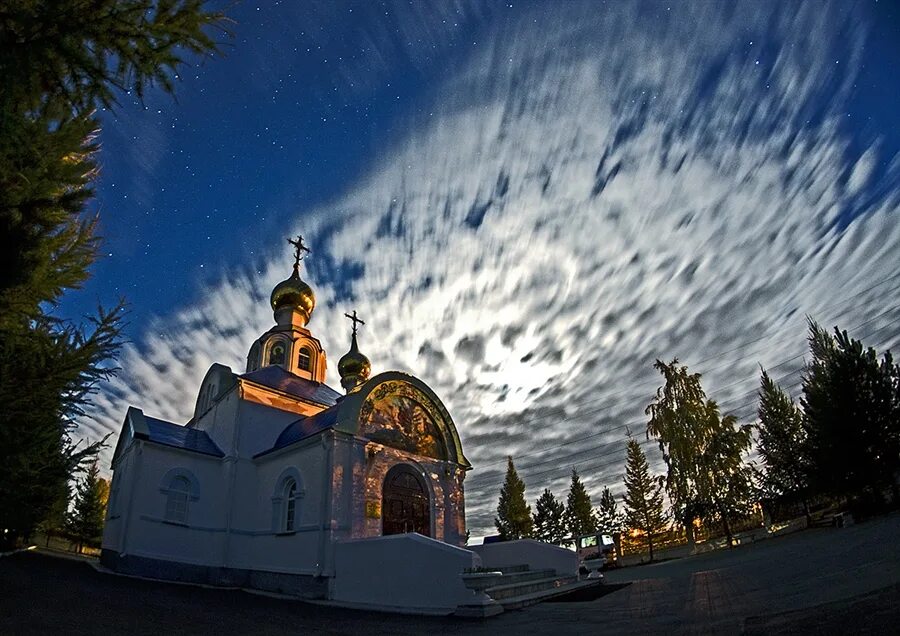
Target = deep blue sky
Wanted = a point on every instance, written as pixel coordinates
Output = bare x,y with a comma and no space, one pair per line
527,202
301,100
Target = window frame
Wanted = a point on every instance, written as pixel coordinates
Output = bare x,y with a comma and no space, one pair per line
286,496
306,352
271,353
289,523
178,497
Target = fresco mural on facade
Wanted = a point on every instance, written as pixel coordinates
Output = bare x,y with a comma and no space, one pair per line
397,415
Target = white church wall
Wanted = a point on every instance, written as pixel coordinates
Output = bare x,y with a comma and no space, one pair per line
258,539
197,540
119,499
403,572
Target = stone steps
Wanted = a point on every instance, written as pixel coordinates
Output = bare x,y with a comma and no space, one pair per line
518,586
517,576
512,569
524,600
522,588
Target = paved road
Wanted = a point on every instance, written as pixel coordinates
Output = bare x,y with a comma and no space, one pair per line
821,581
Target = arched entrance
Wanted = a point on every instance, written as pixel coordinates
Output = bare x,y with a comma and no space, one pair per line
405,506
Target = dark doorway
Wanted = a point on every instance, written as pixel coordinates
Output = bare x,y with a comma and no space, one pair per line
404,506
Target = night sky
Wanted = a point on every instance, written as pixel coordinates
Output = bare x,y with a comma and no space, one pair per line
526,202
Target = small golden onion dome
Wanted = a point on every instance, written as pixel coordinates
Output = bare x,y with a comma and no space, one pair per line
294,293
353,367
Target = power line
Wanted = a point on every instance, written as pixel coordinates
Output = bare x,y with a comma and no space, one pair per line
582,413
524,469
641,420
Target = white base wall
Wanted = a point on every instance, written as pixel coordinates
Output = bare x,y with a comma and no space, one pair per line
402,573
535,554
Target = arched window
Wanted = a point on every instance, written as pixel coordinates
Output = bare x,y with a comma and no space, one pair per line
290,505
304,359
276,353
177,500
286,501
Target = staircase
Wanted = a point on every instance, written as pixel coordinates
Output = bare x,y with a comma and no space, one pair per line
519,586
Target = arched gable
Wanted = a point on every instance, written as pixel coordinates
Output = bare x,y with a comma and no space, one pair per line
217,381
401,411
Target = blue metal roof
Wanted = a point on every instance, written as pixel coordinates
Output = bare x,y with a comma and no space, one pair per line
277,378
177,436
304,427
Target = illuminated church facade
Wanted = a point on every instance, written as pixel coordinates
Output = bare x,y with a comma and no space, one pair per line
280,482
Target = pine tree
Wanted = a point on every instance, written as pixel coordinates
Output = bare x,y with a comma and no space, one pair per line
643,495
609,519
59,61
549,518
851,403
782,443
580,517
55,520
513,518
703,451
85,522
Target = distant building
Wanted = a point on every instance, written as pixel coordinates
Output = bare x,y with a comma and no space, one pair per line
275,468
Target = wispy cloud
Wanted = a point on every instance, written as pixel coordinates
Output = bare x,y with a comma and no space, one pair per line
594,191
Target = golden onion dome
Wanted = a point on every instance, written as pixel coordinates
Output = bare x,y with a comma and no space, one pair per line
353,367
294,293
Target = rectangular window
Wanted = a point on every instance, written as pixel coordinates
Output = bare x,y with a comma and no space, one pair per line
289,517
176,507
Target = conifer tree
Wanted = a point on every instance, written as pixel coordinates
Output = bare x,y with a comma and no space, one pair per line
781,443
85,522
59,61
513,520
851,402
549,518
609,519
55,520
580,517
643,495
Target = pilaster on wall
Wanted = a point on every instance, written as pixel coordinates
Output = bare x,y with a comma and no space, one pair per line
349,461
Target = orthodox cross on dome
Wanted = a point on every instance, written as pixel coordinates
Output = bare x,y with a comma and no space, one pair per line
355,320
300,250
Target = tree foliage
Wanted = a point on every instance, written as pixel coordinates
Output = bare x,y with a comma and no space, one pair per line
85,522
703,451
548,519
513,520
781,443
59,61
851,401
609,519
643,495
580,517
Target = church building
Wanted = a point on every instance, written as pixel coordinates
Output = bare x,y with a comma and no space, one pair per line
276,470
